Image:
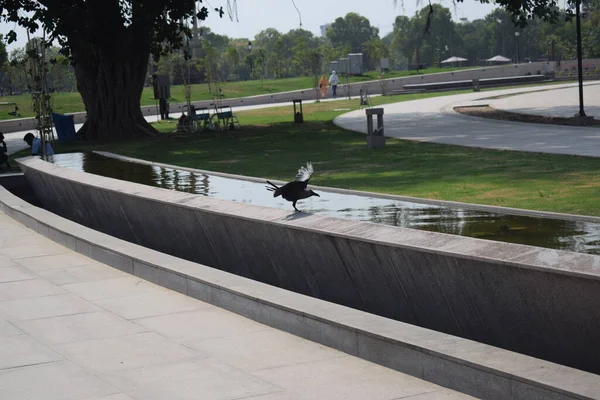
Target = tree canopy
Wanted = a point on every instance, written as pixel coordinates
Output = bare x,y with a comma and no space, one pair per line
109,43
351,32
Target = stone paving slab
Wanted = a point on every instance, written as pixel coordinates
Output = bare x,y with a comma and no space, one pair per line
434,120
72,328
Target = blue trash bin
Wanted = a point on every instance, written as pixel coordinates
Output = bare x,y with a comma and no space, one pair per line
65,128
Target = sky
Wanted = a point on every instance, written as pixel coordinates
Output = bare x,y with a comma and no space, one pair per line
256,15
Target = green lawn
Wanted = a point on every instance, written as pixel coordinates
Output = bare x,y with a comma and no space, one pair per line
71,102
270,146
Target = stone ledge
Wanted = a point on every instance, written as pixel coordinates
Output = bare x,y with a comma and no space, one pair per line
470,367
586,266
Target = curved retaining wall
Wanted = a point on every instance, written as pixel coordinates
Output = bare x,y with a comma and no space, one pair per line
534,301
483,371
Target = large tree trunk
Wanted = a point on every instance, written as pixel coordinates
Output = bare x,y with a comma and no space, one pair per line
110,77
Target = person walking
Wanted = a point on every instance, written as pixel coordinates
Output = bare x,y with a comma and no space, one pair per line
323,86
333,81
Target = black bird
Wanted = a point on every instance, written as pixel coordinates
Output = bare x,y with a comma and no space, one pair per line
296,190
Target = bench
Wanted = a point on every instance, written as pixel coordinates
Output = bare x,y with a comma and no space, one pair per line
483,82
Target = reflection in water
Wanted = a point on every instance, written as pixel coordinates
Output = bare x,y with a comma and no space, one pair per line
578,236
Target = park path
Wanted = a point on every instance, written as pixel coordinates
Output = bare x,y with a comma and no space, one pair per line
72,328
557,103
434,120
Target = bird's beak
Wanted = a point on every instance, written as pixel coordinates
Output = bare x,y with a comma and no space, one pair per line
316,194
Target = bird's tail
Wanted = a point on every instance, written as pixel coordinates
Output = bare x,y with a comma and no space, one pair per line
274,188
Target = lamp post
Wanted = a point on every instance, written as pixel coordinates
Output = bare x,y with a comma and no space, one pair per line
517,34
499,21
579,62
251,60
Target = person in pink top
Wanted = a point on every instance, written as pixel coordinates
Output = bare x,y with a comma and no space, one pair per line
323,86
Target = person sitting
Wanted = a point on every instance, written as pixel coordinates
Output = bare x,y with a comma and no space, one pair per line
36,145
3,152
184,123
15,113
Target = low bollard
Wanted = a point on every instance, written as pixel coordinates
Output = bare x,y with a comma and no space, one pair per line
298,115
375,137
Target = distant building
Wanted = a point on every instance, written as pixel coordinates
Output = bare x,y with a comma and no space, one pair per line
324,29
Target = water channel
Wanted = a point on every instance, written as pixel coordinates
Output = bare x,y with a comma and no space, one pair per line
577,236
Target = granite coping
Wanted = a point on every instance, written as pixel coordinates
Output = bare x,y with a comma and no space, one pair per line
473,368
520,256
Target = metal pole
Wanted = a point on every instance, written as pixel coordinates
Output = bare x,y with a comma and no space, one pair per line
579,61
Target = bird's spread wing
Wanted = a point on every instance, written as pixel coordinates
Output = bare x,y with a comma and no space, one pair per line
304,174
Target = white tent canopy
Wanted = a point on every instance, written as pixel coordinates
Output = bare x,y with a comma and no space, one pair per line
454,59
498,59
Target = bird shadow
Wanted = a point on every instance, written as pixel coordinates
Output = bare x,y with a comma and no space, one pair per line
296,215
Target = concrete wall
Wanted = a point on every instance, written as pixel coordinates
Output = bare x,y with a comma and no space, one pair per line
538,302
373,87
571,65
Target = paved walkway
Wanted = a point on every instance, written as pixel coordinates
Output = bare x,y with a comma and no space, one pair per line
557,103
434,120
14,140
71,328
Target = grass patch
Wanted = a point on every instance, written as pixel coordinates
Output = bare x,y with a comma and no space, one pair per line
270,146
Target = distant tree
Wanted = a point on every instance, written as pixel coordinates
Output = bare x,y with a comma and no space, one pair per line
61,76
266,39
352,31
260,63
277,57
233,57
294,45
375,50
405,37
168,64
210,64
15,78
439,41
219,42
475,41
